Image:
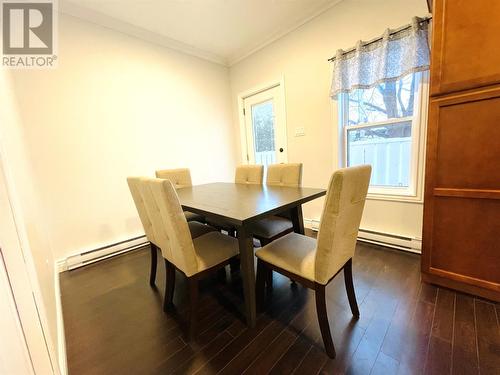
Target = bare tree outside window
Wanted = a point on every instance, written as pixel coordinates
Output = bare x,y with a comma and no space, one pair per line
374,135
263,123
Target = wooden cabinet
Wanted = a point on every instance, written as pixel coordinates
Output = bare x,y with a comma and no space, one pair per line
465,40
461,234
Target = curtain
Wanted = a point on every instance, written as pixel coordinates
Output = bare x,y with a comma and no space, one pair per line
389,58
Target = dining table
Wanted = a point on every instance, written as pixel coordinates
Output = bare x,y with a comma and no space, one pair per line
241,205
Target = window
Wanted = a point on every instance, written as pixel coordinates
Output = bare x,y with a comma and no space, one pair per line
381,126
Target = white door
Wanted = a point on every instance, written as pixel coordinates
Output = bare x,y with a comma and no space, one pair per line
265,127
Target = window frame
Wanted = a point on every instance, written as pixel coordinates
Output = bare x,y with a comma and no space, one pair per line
414,191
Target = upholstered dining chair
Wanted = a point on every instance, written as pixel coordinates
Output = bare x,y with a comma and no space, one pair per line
196,229
314,263
195,258
273,227
180,177
249,174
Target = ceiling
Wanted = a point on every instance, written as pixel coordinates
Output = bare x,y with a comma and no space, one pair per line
223,31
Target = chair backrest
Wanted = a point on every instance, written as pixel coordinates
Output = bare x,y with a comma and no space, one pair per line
289,174
134,186
169,223
180,177
249,174
338,231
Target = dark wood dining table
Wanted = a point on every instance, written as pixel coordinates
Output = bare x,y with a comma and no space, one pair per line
240,205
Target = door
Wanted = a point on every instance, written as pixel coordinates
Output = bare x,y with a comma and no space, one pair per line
265,127
27,346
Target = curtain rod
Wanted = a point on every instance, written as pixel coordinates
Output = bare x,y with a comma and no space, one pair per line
403,28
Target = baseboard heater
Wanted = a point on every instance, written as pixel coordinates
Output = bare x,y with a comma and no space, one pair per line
410,244
394,241
92,256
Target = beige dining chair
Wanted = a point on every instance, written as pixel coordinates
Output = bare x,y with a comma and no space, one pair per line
197,229
274,227
195,258
249,174
180,178
314,263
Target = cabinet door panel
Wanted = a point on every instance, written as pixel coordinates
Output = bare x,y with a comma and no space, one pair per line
465,51
461,232
468,142
466,239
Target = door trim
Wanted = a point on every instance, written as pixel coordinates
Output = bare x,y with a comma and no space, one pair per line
280,83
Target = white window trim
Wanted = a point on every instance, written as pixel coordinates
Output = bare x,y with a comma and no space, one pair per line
414,192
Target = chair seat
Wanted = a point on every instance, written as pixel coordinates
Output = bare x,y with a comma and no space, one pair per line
293,252
214,248
198,229
270,227
191,216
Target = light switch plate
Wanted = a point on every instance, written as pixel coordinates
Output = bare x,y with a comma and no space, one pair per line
300,131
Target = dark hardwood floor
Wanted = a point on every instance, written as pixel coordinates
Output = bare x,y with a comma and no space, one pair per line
115,324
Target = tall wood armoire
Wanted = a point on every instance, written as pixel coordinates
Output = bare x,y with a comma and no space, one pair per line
461,234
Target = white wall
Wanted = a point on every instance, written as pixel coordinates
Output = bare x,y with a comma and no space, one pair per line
117,106
301,57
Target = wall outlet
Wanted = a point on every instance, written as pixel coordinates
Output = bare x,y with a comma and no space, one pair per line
300,131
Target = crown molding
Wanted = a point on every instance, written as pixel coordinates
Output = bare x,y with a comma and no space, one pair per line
236,58
100,19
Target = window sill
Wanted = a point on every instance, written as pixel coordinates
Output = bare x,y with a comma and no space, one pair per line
395,198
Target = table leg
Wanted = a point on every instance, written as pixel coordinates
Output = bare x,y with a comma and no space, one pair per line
245,241
297,219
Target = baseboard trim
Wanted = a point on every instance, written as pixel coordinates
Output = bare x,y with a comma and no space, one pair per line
391,240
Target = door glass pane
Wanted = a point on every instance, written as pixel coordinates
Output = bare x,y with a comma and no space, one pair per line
387,148
263,133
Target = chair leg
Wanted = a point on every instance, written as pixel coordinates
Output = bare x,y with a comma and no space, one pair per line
169,285
268,272
221,275
323,320
260,284
193,297
154,260
349,285
269,280
234,265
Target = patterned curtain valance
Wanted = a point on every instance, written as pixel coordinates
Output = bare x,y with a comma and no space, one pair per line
389,58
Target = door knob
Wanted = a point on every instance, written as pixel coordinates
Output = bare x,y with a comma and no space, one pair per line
281,149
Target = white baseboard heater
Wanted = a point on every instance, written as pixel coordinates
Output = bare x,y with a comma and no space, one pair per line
394,241
410,244
91,256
